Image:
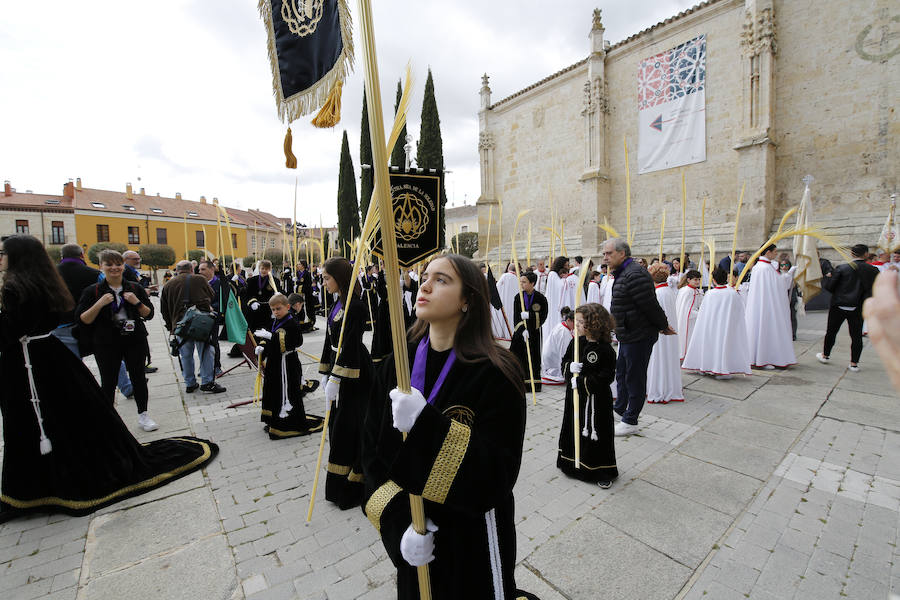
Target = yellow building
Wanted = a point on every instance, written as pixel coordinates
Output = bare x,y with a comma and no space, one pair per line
135,218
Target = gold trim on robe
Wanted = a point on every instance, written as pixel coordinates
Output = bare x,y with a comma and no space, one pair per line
379,501
447,463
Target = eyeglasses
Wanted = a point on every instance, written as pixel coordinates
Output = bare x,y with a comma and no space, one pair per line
2,252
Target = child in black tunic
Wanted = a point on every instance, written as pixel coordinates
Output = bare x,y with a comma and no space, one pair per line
593,373
282,398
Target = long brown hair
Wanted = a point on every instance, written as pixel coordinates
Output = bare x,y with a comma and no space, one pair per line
340,269
597,321
473,341
31,277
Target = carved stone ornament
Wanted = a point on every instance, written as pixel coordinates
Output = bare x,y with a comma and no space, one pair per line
599,98
586,107
598,21
758,33
485,140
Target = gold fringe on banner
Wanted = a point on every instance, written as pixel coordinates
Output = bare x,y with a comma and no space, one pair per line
330,113
290,161
315,96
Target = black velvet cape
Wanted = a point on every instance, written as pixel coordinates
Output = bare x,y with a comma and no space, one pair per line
95,460
344,480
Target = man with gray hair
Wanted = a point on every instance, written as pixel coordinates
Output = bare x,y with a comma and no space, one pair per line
639,322
172,305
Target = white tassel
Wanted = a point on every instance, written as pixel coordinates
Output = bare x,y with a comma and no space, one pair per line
587,416
45,445
593,415
285,403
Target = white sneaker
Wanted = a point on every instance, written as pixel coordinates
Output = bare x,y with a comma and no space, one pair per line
853,368
724,377
146,423
823,359
769,367
623,428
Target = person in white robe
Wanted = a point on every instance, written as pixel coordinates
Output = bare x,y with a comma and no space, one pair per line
542,273
508,288
567,293
606,285
664,368
593,294
718,345
768,316
499,326
687,307
555,346
554,294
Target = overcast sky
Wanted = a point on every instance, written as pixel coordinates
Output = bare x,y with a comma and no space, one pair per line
176,95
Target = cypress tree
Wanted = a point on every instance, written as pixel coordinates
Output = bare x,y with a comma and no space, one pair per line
347,204
367,183
398,154
430,154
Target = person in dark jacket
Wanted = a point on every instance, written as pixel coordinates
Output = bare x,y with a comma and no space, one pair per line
172,306
639,321
850,284
77,277
113,312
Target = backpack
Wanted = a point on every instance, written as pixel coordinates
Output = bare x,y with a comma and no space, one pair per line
196,325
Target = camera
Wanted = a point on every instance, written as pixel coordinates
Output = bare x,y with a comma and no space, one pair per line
174,346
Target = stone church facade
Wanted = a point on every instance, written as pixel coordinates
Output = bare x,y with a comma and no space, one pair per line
793,87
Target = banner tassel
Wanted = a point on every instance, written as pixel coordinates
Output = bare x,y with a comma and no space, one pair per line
330,113
290,161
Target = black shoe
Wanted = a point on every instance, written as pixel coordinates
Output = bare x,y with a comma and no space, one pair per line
192,388
150,369
604,485
212,387
310,385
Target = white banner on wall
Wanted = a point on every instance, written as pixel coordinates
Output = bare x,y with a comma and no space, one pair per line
672,107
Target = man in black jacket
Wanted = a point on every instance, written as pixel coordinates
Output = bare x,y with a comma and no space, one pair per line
639,321
850,284
77,276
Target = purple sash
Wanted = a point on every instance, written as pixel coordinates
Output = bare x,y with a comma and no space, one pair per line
279,323
529,298
417,377
334,311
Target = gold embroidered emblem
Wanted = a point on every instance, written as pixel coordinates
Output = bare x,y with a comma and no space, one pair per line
302,16
592,357
461,414
338,316
536,307
410,217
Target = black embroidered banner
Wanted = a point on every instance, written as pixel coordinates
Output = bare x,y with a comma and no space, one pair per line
310,48
415,199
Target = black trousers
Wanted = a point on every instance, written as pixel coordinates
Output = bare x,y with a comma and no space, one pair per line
131,350
854,319
631,378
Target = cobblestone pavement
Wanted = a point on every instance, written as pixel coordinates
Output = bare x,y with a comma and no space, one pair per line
785,484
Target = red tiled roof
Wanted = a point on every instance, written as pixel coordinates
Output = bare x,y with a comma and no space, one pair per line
36,202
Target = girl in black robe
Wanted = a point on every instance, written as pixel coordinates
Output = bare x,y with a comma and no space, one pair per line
256,294
347,380
530,326
593,372
65,447
465,420
282,396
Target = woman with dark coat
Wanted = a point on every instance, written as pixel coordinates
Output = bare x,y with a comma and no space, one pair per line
65,447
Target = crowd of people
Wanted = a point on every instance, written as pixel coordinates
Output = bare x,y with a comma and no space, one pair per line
616,342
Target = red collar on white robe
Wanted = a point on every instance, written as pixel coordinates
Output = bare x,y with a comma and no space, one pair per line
659,285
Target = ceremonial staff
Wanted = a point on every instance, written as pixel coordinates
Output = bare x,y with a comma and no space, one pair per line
576,402
515,262
629,237
737,219
186,255
382,195
701,264
683,213
662,232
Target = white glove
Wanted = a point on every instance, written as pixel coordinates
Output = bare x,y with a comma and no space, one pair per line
259,350
323,381
575,367
418,549
525,335
262,333
254,305
575,383
524,314
331,391
235,278
406,408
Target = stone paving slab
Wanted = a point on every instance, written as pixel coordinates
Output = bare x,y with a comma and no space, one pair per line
747,489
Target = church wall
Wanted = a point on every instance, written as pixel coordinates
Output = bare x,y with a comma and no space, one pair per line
539,146
835,110
715,177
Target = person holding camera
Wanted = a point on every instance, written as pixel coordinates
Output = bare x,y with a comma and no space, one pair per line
183,291
113,312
